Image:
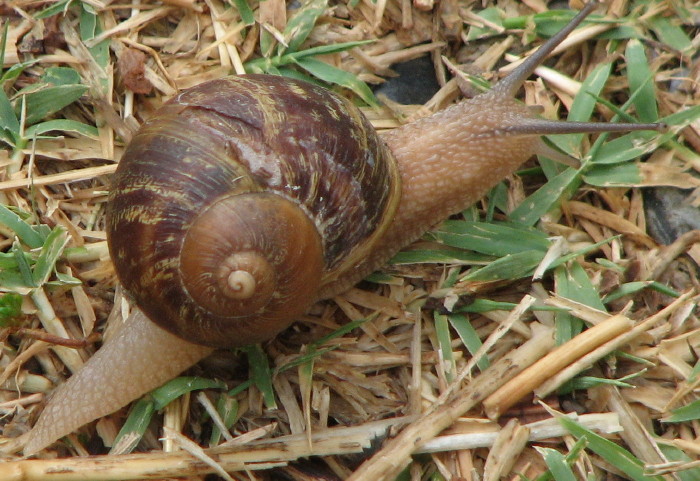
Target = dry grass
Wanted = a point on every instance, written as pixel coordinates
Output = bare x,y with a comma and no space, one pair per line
403,378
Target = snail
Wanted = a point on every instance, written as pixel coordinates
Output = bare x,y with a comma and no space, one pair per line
246,199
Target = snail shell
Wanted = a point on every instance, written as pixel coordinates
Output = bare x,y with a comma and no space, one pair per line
231,208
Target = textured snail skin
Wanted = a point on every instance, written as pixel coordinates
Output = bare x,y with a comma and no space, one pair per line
87,396
443,164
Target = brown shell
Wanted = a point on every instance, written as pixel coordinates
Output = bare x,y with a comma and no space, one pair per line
238,136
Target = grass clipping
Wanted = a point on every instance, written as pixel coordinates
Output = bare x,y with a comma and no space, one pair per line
543,332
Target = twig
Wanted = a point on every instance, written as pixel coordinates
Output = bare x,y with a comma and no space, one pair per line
395,454
157,465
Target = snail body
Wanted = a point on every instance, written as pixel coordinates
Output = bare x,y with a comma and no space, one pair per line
210,187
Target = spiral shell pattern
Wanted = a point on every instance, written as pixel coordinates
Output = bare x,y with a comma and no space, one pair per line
242,197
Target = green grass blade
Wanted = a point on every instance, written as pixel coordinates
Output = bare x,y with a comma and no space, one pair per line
90,27
50,253
134,427
268,64
630,288
22,265
64,280
267,42
470,338
25,232
694,373
588,382
566,325
496,239
9,122
326,49
613,175
336,76
379,277
479,306
245,12
316,349
550,22
627,147
442,331
532,209
341,331
305,372
640,78
261,374
579,288
49,100
312,352
556,462
12,281
608,450
512,266
682,117
582,108
240,388
227,407
3,43
16,70
10,309
672,453
580,252
62,125
497,199
7,260
60,6
61,76
494,16
299,75
302,23
434,256
689,412
670,33
571,457
175,388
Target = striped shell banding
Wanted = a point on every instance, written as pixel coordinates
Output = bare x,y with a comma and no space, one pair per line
186,191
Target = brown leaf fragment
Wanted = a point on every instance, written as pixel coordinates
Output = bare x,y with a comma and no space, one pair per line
505,451
670,175
53,37
611,220
132,70
635,434
273,13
